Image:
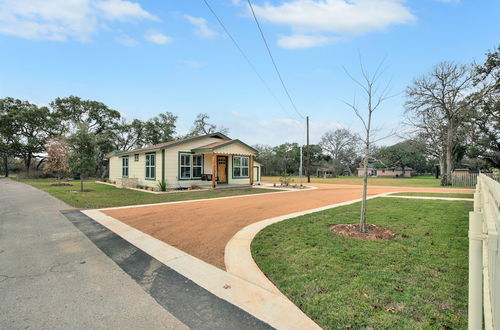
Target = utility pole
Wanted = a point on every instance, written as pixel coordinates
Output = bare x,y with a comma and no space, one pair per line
300,168
308,154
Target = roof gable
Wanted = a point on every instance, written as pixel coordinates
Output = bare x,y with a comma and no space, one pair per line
216,145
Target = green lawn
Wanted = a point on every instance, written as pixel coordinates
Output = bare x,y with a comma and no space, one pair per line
109,196
416,280
429,194
417,181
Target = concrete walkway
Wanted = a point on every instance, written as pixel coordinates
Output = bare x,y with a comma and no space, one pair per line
53,277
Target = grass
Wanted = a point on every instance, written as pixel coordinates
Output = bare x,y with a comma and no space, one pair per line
109,196
416,280
429,194
417,181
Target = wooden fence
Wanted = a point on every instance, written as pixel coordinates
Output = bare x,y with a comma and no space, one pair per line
484,255
464,179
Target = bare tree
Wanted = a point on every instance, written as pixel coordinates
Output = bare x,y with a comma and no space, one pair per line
201,126
428,131
374,96
438,102
342,145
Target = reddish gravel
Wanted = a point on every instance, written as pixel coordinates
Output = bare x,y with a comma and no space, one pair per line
203,228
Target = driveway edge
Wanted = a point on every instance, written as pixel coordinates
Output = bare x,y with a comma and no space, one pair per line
238,255
267,305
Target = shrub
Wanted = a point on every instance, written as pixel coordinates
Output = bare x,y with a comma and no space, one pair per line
162,185
286,179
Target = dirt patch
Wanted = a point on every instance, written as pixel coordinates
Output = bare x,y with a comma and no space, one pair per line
375,233
61,185
203,228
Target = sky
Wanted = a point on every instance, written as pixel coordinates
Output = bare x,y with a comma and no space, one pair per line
144,57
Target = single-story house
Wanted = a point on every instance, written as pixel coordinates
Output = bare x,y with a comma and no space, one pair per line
207,160
393,172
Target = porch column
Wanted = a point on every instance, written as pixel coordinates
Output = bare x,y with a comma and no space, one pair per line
214,163
250,170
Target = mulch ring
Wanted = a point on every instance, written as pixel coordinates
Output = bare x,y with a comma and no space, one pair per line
61,184
375,233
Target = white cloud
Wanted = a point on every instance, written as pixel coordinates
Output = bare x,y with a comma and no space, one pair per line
65,19
123,10
317,18
158,38
127,41
193,64
201,27
298,41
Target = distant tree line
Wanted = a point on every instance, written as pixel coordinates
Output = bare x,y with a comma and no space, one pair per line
452,112
75,135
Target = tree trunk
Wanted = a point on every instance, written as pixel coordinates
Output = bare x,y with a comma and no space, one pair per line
81,182
442,170
449,153
362,224
40,163
27,163
6,166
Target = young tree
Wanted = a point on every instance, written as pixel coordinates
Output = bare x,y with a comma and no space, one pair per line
444,95
201,126
374,96
84,153
341,145
57,157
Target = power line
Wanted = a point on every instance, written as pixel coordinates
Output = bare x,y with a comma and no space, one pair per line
246,58
273,61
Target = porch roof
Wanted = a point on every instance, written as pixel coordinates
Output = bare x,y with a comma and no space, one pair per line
216,145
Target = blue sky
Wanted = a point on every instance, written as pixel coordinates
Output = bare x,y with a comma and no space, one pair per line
144,57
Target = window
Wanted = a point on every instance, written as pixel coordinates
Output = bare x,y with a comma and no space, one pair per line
150,166
125,167
136,157
191,166
240,167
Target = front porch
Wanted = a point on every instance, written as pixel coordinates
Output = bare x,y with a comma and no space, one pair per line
228,162
227,170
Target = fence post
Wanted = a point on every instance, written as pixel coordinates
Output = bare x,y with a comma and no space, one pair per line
475,271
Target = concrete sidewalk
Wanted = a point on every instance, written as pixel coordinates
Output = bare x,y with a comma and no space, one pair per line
53,277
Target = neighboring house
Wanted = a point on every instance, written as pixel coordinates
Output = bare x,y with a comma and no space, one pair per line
393,172
207,160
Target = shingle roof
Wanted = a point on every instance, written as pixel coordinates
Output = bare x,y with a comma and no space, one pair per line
214,144
169,143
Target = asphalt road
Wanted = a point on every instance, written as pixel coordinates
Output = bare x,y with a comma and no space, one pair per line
53,277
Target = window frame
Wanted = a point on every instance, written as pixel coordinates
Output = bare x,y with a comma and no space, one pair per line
125,167
191,165
151,167
136,157
241,167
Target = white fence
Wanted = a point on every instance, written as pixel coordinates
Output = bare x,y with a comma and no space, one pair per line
484,256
